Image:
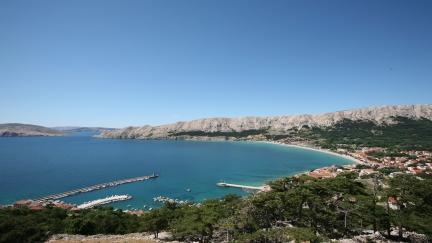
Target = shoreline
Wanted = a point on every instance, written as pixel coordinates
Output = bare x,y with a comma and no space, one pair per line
356,161
314,149
254,141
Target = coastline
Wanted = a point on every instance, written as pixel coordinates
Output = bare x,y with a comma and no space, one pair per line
315,149
220,139
284,144
356,161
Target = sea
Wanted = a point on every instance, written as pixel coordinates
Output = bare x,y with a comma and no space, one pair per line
33,167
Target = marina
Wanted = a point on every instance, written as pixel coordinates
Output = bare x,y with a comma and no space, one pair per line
96,187
162,199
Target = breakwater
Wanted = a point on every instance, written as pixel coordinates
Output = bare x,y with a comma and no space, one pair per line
95,187
258,188
102,201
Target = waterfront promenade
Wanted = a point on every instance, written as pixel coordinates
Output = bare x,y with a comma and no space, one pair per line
95,187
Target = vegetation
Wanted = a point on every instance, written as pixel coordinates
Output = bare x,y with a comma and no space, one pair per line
235,134
405,134
25,225
414,201
280,235
389,170
297,208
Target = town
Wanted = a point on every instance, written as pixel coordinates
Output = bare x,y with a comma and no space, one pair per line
408,162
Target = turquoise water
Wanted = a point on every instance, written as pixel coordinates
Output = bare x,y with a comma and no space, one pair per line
31,167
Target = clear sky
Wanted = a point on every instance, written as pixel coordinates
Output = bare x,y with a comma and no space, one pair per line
119,63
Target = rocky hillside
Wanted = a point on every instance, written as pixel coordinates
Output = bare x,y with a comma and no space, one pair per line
271,125
23,130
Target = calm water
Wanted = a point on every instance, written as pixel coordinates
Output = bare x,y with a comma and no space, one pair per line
32,167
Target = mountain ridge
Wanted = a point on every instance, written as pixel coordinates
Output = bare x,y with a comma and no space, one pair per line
274,124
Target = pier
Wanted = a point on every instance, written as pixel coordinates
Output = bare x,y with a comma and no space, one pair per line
102,201
96,187
257,188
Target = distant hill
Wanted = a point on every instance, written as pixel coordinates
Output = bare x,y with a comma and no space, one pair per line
275,125
82,129
26,130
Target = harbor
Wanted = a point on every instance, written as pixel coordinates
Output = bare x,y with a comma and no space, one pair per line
96,187
180,180
102,201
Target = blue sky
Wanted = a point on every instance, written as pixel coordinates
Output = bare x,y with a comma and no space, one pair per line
119,63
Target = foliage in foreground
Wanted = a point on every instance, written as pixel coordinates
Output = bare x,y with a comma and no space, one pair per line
297,209
25,225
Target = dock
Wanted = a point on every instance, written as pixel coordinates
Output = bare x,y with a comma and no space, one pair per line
102,201
257,188
96,187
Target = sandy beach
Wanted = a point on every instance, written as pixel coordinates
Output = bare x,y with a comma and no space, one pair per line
317,149
310,148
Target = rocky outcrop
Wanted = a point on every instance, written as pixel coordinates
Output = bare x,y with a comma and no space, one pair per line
24,130
276,124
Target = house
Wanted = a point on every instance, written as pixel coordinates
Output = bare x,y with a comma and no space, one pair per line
63,205
365,172
28,204
136,212
328,172
22,203
392,202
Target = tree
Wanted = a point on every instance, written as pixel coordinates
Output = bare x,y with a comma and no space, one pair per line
414,203
154,221
404,190
198,222
280,235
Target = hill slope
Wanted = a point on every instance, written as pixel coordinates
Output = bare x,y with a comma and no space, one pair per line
24,130
82,129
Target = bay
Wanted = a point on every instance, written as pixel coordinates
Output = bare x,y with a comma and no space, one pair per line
32,167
